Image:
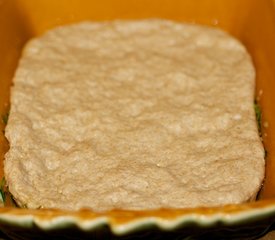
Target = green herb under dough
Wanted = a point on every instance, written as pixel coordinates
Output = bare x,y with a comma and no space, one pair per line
258,115
3,190
5,118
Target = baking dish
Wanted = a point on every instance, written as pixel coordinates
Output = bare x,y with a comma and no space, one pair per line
251,21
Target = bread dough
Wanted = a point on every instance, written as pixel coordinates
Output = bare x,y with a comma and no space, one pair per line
133,115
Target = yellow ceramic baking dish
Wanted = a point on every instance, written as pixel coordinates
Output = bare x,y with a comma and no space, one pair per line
252,21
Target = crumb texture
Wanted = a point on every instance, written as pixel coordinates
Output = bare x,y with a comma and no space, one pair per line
133,115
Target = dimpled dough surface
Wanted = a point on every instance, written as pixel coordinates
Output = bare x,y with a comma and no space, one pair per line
133,115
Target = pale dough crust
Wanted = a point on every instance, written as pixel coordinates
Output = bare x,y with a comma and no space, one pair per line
133,115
